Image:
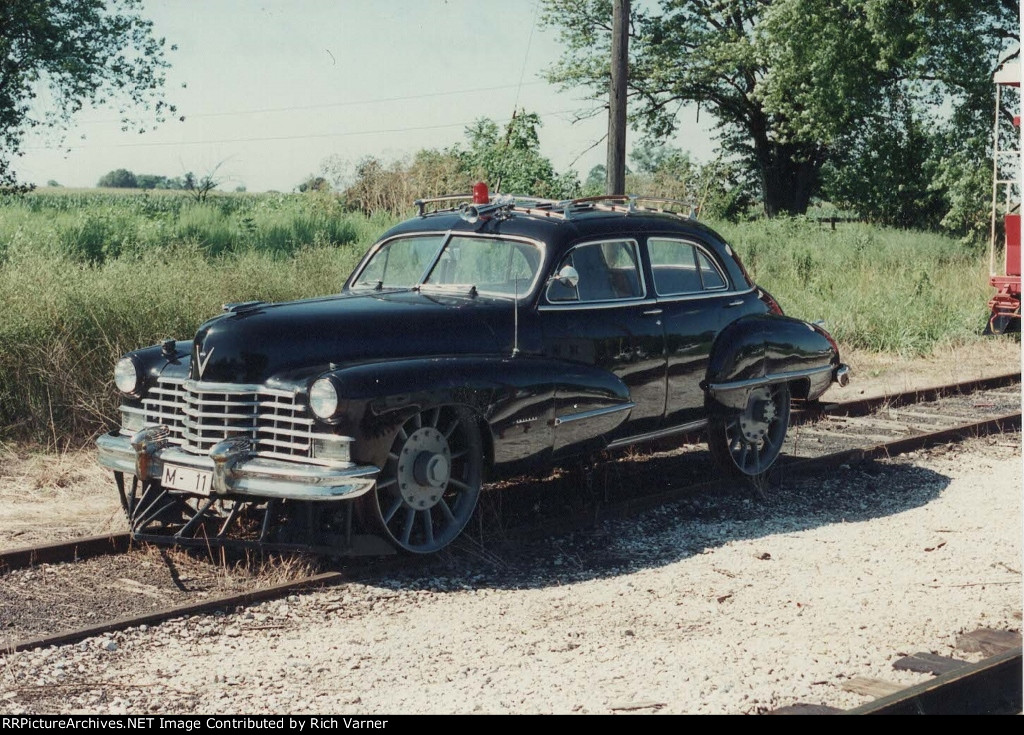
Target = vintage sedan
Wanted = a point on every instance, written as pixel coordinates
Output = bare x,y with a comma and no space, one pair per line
484,337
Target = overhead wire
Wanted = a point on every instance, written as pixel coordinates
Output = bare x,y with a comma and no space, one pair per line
256,139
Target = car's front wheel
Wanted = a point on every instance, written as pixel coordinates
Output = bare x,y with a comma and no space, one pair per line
747,442
429,485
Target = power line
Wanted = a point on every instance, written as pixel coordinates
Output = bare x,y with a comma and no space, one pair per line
347,103
269,138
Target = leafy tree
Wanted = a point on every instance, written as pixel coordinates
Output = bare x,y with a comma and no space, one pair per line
120,178
595,182
717,189
58,55
510,160
155,181
789,82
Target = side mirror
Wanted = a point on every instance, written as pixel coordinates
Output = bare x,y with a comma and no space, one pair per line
568,276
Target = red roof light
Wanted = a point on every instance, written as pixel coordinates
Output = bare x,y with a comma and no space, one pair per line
480,193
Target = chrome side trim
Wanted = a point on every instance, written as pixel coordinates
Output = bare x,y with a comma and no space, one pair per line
568,418
659,434
649,301
703,295
591,305
715,388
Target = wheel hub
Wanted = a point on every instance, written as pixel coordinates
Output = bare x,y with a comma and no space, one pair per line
424,467
757,419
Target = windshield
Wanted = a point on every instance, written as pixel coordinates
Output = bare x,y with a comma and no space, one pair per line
401,263
490,265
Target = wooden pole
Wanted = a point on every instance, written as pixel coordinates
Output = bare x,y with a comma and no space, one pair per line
615,182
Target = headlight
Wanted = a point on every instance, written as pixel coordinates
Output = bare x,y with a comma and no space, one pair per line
323,398
126,375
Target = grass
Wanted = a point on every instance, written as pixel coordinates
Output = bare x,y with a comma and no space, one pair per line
877,289
88,276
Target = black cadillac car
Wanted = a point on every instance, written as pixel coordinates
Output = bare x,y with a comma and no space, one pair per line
485,336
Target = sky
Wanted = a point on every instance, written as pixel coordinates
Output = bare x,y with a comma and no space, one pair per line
272,89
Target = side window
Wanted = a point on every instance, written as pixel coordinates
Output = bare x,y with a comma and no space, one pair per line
609,271
709,273
682,268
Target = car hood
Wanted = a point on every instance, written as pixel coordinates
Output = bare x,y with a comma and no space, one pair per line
290,341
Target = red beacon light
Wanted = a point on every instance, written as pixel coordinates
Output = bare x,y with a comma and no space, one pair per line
480,193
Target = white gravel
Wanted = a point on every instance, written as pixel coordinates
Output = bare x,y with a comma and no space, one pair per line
718,605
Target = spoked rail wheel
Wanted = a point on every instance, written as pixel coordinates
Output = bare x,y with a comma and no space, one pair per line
747,442
429,486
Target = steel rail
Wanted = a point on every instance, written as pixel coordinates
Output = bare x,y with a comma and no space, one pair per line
793,467
864,406
221,602
64,551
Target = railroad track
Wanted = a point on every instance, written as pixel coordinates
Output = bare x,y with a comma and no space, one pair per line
991,686
822,437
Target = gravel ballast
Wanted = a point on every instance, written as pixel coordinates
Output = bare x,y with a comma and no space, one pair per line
721,604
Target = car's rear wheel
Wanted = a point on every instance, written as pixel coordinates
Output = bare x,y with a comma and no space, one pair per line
429,485
747,442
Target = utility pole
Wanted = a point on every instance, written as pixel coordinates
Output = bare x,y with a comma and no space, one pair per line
615,181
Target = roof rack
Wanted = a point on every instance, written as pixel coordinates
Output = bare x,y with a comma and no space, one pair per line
562,209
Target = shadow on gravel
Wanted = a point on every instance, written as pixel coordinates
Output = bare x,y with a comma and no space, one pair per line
485,558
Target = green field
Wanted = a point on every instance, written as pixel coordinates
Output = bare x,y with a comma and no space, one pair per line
86,276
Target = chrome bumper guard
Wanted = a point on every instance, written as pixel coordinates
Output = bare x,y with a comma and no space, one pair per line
235,470
842,375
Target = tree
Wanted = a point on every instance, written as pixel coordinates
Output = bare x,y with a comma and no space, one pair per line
510,160
120,178
200,188
58,55
716,189
788,81
314,184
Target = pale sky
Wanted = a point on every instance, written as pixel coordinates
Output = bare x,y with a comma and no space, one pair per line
276,87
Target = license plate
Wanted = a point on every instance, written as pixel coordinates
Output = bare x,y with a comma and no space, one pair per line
187,480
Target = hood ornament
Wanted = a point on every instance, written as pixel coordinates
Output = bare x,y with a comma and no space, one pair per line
202,362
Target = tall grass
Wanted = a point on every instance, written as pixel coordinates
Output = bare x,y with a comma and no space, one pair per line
879,289
86,277
95,227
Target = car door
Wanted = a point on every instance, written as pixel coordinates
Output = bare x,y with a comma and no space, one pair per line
607,331
695,296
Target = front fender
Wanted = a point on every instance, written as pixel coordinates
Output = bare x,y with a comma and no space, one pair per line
765,349
514,397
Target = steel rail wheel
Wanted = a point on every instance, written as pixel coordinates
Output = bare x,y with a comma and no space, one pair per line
746,443
430,484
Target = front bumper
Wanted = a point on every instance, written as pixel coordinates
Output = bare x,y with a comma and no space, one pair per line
235,470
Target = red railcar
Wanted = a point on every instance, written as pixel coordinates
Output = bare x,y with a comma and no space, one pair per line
1006,198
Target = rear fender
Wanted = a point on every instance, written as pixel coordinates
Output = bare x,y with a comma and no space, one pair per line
766,349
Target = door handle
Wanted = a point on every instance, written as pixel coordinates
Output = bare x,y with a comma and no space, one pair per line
652,312
737,302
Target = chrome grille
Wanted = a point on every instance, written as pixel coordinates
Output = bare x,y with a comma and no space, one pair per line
200,415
